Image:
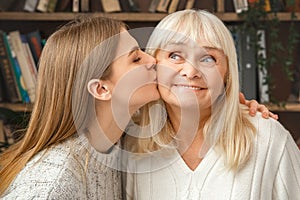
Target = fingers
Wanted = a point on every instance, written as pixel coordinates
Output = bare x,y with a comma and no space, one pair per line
274,116
253,107
242,98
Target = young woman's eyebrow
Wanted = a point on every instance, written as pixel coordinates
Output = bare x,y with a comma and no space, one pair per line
133,49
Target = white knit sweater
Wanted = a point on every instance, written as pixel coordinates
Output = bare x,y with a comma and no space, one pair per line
273,172
71,170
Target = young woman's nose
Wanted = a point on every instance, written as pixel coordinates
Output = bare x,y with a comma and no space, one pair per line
189,71
149,60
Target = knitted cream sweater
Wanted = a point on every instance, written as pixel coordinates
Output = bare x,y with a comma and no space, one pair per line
272,173
70,170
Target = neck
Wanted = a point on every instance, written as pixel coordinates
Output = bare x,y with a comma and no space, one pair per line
188,125
103,131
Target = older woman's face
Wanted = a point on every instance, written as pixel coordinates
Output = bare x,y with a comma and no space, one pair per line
191,73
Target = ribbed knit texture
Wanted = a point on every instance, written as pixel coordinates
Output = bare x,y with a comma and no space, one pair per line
273,172
71,170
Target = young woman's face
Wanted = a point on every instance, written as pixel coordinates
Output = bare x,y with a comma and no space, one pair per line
133,75
190,73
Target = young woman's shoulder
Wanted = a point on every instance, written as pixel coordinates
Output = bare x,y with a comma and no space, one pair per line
52,173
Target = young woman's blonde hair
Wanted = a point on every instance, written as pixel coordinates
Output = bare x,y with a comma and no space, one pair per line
229,127
71,57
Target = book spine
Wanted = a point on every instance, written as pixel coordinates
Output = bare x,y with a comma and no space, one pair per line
173,6
51,5
30,5
18,74
163,6
153,6
42,6
220,6
111,6
75,6
7,73
189,4
29,79
240,5
133,6
84,6
35,44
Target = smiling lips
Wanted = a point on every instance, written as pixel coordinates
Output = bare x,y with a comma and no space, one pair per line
191,87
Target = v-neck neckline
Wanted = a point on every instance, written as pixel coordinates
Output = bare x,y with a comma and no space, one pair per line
207,162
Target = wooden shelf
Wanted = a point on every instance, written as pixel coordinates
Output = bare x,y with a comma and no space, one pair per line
18,107
131,17
289,107
63,16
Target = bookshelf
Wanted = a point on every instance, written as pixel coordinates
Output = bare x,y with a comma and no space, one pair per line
48,22
18,107
129,17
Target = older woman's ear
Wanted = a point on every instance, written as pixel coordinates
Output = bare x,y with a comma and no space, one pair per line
99,90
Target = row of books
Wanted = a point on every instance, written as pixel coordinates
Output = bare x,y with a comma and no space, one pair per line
267,5
165,6
19,55
96,5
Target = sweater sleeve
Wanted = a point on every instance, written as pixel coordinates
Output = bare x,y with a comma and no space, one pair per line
287,180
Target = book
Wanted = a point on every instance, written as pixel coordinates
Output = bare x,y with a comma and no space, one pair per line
229,7
18,73
51,5
9,80
173,6
29,77
65,5
181,5
262,71
35,43
75,6
42,5
163,6
189,4
220,6
125,6
29,57
134,7
111,6
153,5
240,5
84,5
206,5
30,5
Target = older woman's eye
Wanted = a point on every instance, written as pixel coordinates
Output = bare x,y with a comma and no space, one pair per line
208,59
175,57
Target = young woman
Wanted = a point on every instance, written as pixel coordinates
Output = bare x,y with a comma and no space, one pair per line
210,148
70,149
